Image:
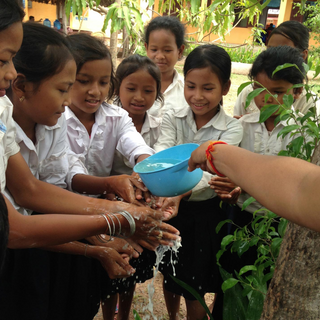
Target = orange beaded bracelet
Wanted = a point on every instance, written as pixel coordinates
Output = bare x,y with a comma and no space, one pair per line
210,158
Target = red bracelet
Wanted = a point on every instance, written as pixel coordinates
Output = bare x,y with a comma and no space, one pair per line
210,158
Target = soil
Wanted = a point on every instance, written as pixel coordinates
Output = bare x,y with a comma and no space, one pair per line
141,299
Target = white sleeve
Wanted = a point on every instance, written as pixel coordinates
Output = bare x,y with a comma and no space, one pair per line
168,133
76,166
130,142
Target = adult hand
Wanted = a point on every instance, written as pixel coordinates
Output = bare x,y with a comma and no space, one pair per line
198,158
115,265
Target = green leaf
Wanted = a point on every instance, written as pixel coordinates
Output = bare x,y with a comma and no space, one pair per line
252,95
267,111
247,203
234,303
282,227
226,240
284,66
275,246
244,246
313,127
255,306
287,129
246,269
195,5
194,293
306,116
288,100
229,284
221,224
297,144
242,86
136,315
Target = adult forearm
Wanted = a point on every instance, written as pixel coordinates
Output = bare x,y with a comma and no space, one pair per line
286,186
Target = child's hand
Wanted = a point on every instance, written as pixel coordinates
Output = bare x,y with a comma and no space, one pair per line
115,265
169,206
126,187
225,189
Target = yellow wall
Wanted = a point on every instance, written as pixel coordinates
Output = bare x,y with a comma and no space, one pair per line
42,11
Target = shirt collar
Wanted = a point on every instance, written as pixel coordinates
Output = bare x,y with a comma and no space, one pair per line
150,122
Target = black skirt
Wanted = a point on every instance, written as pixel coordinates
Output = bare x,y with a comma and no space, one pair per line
196,261
41,285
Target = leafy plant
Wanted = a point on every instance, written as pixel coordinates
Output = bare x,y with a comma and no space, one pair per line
266,230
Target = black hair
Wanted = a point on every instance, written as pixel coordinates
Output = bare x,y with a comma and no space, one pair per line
268,60
10,12
212,56
4,229
88,48
44,52
169,23
133,64
294,31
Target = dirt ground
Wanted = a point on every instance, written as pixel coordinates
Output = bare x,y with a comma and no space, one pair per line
141,299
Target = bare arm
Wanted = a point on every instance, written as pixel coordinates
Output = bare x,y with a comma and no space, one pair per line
287,186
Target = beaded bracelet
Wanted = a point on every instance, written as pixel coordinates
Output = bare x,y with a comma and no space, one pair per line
210,158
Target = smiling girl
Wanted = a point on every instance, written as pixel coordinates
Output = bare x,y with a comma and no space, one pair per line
207,72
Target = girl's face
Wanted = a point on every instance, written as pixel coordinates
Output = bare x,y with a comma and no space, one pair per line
279,87
162,49
10,43
137,92
203,92
91,87
46,103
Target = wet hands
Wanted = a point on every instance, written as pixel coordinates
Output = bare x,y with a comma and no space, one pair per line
116,265
129,188
169,206
225,189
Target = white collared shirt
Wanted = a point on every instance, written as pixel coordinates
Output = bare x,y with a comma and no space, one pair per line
150,132
8,145
113,130
257,139
173,97
50,159
300,104
178,127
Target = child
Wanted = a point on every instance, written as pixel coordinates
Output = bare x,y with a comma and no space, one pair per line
262,138
293,34
46,71
164,42
97,129
138,87
207,72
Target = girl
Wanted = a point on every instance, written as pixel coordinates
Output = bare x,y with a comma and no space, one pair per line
164,42
35,231
207,72
288,33
41,146
138,86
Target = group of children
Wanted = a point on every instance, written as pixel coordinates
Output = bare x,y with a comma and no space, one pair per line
79,126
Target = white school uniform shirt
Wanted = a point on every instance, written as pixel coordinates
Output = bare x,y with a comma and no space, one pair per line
173,97
300,104
113,130
8,145
150,132
257,139
178,127
50,159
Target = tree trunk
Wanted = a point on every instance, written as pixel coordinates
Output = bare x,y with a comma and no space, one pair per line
114,45
294,292
125,43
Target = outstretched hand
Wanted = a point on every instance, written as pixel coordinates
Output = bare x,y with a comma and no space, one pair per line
225,189
198,158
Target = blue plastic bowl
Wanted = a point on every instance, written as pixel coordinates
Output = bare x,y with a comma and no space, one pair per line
166,173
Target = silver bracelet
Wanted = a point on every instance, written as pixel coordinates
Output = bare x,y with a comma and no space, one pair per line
110,232
113,215
131,221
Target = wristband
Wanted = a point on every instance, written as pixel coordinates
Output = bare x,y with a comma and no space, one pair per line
210,158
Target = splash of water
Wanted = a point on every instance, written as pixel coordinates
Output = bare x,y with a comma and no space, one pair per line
161,250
